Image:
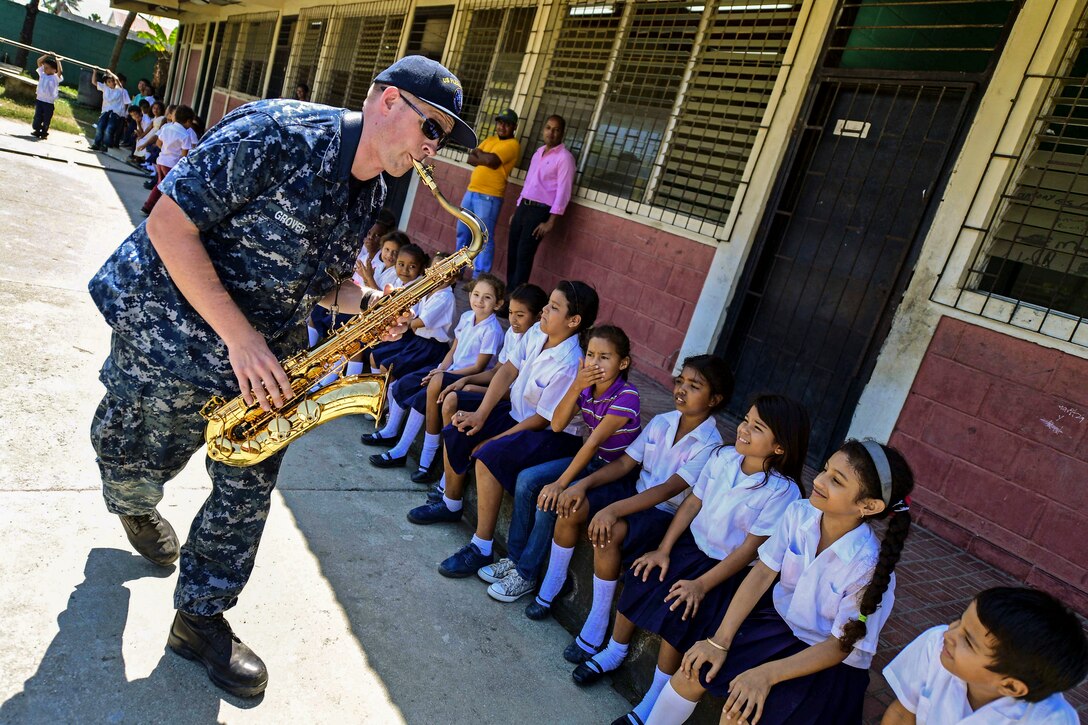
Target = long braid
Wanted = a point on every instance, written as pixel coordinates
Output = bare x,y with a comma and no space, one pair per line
895,536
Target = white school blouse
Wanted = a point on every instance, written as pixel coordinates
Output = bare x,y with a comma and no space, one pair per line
436,310
818,595
388,276
661,459
544,376
475,339
937,697
363,258
736,504
510,343
175,140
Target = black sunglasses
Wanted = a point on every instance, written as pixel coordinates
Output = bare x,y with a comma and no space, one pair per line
431,128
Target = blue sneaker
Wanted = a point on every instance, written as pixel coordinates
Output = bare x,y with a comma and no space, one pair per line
465,562
436,513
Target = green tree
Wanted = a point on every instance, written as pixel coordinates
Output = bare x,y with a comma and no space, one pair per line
159,43
96,17
26,35
58,6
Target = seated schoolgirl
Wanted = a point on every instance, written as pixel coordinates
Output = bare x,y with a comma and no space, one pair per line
506,436
803,654
476,343
370,255
629,511
1006,660
525,305
349,297
411,261
610,407
682,589
387,272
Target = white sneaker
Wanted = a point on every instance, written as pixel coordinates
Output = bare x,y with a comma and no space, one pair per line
511,588
495,572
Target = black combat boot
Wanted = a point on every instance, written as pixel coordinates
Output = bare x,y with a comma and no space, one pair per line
152,537
210,641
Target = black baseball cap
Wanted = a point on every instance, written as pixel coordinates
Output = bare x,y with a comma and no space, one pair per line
509,116
435,85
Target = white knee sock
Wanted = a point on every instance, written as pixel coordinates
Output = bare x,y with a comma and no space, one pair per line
430,448
556,574
313,335
454,505
411,430
597,621
392,423
670,708
643,708
611,657
354,367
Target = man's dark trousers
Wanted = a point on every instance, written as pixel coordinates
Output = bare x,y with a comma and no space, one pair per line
522,248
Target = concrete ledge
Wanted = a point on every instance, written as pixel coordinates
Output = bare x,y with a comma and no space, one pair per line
18,86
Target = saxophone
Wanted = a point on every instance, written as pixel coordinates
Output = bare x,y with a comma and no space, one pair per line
242,435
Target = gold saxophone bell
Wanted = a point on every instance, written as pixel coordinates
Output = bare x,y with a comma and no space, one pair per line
242,435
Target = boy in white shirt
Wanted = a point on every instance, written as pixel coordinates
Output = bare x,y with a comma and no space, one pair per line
1006,660
49,80
115,103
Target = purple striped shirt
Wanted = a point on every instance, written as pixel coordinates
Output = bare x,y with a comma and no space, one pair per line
620,399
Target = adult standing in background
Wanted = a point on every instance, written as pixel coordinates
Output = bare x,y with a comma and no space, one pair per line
494,159
543,199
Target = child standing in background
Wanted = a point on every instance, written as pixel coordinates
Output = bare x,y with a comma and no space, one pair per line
175,143
49,80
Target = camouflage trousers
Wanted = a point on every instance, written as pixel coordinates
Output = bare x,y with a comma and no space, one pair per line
145,430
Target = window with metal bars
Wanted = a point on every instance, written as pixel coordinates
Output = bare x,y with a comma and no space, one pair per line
363,39
492,52
1032,268
663,100
313,23
247,45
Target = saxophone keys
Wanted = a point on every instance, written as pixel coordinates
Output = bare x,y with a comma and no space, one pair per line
308,410
279,428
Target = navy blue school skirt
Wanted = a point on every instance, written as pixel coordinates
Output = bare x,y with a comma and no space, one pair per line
459,446
321,320
509,456
418,353
383,352
645,529
409,392
829,697
644,602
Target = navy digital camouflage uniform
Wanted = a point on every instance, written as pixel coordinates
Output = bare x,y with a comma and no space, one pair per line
269,190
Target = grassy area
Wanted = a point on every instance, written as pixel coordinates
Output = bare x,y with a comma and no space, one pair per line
69,116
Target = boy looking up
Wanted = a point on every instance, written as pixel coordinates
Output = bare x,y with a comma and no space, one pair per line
49,79
1006,660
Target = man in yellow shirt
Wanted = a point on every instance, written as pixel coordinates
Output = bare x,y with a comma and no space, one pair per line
494,159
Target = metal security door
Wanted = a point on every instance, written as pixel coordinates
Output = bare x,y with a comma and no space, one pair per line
838,247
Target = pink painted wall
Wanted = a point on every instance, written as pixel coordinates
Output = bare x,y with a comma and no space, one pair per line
995,429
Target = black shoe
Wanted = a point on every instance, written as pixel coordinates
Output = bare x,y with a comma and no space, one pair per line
43,135
210,641
383,460
586,673
152,537
373,439
538,612
629,719
38,134
149,184
428,475
575,654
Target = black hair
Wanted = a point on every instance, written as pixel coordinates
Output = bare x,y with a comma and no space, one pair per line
161,105
416,251
717,375
496,284
790,425
143,102
51,62
134,108
1039,640
386,218
582,300
397,236
146,82
618,338
122,77
895,535
304,86
183,114
531,296
562,122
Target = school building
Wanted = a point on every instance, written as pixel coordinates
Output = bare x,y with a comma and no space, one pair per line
876,206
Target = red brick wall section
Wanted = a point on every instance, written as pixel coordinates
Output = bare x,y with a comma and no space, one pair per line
995,430
648,279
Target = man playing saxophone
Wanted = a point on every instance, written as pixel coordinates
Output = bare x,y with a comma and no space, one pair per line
207,296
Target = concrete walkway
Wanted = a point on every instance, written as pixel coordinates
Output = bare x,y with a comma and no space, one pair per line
345,605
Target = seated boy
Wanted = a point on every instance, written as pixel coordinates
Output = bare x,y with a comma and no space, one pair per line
1006,660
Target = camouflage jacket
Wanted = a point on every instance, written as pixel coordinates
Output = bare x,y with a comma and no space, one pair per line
268,188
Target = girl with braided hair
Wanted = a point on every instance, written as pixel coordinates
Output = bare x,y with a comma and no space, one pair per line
800,652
